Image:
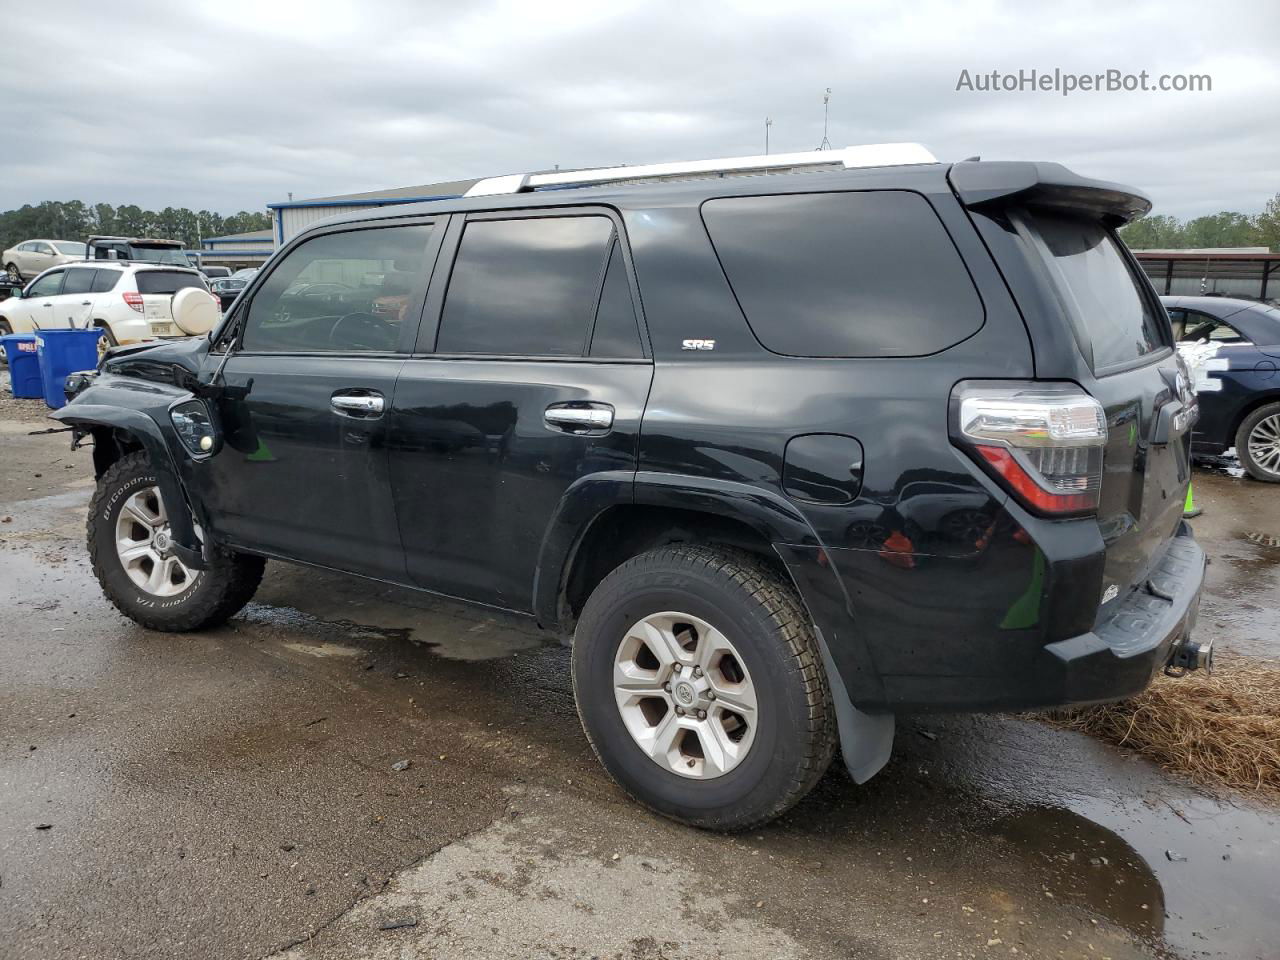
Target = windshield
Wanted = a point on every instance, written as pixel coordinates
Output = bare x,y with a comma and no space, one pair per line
70,248
169,255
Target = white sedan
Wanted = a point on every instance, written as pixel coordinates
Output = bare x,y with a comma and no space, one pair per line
32,257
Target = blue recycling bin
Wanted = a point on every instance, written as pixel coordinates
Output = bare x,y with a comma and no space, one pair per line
62,352
24,364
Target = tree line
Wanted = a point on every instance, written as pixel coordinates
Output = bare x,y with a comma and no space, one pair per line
1226,229
75,220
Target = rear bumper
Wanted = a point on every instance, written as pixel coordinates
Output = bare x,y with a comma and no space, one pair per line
966,635
1121,656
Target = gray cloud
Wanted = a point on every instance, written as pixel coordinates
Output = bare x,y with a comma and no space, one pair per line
231,104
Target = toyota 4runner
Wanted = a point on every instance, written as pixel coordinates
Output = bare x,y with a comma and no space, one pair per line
785,446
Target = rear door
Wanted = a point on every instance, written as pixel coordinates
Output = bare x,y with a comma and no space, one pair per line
72,307
156,288
1125,336
530,376
303,473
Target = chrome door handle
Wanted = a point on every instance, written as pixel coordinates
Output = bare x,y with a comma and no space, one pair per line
589,417
357,405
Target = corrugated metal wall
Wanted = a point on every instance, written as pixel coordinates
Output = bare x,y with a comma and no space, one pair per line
295,219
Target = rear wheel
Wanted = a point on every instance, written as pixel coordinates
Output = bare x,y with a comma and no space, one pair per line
700,686
1258,443
130,546
13,273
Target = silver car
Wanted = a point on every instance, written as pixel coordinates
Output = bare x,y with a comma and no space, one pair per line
33,257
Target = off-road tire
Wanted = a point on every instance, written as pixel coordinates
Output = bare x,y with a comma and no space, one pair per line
1252,467
754,605
216,593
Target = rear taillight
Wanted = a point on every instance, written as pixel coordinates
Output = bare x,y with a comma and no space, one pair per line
1042,441
134,300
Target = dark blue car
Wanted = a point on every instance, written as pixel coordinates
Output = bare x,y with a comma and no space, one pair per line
1233,347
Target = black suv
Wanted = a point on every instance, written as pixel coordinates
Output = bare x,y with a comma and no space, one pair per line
786,446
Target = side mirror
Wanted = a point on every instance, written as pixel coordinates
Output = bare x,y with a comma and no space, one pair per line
16,293
195,311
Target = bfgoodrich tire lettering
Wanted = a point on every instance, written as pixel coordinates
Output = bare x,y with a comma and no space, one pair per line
210,598
745,600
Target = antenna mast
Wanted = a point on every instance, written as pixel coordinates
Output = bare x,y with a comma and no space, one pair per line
767,124
826,111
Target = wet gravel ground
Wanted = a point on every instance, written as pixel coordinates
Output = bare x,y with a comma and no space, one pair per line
232,793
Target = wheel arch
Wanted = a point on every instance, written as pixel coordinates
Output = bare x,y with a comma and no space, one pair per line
1270,396
663,509
119,431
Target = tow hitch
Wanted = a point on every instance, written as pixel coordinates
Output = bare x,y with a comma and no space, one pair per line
1189,655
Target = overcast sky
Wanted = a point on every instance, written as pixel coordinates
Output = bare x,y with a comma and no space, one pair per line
231,105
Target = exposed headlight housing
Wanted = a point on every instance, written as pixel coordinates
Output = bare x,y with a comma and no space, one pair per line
194,424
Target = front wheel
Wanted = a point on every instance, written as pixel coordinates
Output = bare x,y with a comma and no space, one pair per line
700,686
106,341
131,550
1258,443
11,270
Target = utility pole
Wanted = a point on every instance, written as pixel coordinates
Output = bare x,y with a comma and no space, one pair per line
826,108
767,124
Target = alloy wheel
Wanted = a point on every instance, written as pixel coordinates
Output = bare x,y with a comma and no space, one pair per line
144,544
685,695
1264,444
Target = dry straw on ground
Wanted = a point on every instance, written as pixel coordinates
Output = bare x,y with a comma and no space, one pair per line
1222,728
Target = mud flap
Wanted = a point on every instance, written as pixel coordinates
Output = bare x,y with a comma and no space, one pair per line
866,739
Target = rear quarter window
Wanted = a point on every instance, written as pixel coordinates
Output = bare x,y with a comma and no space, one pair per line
870,274
166,281
1111,303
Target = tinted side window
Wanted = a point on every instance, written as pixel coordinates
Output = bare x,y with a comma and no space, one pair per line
105,280
616,333
525,287
844,274
347,292
47,286
78,280
1200,326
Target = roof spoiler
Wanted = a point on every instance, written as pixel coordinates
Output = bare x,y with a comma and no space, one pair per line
1051,185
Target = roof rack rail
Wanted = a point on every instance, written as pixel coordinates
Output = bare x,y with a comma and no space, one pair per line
867,155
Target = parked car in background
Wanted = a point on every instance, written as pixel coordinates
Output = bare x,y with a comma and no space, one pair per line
31,257
214,273
785,454
131,302
149,250
246,273
226,289
1233,349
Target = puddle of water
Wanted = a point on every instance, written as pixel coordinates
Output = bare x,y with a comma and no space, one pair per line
324,650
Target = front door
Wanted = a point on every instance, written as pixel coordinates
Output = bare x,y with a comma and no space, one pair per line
303,472
530,376
39,300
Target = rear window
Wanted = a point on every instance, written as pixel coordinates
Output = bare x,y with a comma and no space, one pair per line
1105,295
157,254
870,274
166,281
